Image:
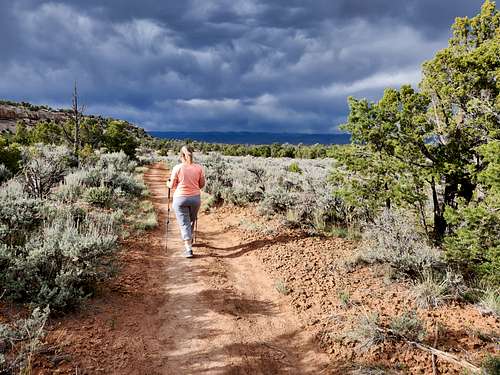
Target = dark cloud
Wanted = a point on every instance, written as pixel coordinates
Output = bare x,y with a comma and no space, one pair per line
281,65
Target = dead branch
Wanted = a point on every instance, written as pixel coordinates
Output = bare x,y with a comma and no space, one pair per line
448,357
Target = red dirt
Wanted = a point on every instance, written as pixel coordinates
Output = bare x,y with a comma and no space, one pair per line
314,271
221,312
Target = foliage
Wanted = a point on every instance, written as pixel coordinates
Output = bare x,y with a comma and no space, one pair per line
146,216
367,331
22,135
490,301
410,143
392,239
46,132
409,326
20,214
294,168
118,138
216,176
275,150
434,289
281,287
268,183
61,262
10,155
475,242
99,196
53,249
27,335
491,365
44,167
5,174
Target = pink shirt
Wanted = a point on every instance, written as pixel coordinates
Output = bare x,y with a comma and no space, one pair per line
187,179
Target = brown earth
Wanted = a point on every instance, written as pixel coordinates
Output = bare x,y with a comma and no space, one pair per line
256,299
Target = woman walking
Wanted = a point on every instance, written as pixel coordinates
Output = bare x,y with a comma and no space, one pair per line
187,179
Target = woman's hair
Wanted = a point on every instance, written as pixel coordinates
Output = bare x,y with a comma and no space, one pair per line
187,153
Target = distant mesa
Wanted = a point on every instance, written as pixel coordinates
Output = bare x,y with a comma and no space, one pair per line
11,113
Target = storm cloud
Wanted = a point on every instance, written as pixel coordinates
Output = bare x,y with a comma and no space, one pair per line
201,65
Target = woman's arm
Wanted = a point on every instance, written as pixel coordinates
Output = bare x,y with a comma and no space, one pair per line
173,181
201,181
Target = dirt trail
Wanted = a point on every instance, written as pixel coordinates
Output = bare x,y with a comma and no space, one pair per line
222,313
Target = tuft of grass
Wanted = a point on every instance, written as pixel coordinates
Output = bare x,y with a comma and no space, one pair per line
409,326
292,218
367,331
432,290
282,288
489,302
345,298
146,217
338,232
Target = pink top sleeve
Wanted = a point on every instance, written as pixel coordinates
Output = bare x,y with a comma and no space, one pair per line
187,180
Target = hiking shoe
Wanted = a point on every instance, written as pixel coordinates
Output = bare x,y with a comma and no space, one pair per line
188,253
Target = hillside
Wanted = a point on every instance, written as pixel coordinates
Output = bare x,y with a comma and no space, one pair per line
12,112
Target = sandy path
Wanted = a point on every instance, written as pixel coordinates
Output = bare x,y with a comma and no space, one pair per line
221,313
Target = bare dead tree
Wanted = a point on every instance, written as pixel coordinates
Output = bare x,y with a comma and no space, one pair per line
77,114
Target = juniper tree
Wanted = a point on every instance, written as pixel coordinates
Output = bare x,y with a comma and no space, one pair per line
431,139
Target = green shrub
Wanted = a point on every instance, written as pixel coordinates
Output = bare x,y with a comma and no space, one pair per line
294,168
119,138
10,155
98,196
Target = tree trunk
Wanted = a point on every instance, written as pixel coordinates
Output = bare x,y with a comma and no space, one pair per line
76,119
439,221
387,200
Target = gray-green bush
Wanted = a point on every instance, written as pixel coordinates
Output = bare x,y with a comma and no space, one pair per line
394,239
26,335
54,249
61,262
43,168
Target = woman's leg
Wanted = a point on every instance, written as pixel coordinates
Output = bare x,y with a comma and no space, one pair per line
194,207
182,213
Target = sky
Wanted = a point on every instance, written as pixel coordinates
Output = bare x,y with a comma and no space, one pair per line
219,65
